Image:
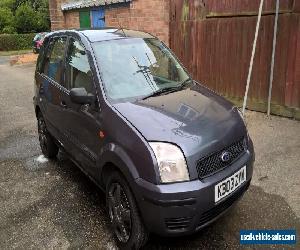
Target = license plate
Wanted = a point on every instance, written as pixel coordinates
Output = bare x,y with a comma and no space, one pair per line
230,184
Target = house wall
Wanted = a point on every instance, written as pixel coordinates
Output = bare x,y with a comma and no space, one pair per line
71,19
146,15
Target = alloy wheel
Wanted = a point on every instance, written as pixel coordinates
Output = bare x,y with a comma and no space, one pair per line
119,212
42,130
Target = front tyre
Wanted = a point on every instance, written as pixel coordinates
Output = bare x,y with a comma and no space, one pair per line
126,222
47,144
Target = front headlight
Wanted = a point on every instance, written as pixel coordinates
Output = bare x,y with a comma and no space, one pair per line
171,162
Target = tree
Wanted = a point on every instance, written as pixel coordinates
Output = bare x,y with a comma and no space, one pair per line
42,8
6,21
26,19
24,16
10,4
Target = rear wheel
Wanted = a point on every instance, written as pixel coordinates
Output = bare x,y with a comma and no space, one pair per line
126,222
47,144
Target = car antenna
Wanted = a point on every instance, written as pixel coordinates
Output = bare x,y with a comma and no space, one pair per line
120,28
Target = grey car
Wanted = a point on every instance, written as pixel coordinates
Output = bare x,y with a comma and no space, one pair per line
171,155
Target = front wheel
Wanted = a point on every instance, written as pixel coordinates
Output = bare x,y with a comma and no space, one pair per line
126,222
48,146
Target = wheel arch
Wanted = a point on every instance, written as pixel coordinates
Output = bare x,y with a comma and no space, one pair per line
114,158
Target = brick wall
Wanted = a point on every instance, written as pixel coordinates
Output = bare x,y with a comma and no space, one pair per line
146,15
71,19
56,15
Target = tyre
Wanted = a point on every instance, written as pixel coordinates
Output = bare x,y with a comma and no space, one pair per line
47,144
127,226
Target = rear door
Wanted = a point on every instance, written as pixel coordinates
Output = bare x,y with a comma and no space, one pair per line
51,81
83,126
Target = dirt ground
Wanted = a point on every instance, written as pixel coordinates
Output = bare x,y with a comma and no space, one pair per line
23,59
51,204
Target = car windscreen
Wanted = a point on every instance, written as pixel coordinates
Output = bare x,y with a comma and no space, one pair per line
134,68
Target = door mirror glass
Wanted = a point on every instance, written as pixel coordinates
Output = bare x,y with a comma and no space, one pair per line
81,96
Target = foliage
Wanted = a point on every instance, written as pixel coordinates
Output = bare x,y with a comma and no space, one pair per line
7,4
24,16
26,19
16,41
6,20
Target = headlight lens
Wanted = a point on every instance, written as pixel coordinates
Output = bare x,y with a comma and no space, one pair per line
171,162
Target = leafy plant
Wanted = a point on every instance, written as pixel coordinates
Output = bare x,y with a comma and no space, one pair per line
6,19
24,16
15,41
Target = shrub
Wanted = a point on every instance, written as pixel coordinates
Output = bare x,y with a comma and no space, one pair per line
26,19
6,18
16,41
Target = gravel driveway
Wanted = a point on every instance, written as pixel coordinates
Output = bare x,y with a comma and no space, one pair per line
51,204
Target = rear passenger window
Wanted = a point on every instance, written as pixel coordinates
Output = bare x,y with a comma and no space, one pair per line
78,71
54,60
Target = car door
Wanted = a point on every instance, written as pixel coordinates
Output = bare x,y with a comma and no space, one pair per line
51,81
83,121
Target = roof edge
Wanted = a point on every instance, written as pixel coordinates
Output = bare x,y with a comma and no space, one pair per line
72,5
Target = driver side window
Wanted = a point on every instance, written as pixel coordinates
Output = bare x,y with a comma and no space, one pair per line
78,71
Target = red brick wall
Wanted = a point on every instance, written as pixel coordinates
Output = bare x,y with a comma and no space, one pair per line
71,19
146,15
56,15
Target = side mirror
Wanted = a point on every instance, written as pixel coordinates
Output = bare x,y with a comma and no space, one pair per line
80,96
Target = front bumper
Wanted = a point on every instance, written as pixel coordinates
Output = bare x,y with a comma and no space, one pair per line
184,208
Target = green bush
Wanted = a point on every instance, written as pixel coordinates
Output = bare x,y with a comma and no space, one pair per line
6,19
26,19
15,41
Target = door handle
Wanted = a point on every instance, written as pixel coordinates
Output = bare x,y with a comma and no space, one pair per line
63,104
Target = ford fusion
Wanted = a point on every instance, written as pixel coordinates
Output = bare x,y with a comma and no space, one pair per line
171,155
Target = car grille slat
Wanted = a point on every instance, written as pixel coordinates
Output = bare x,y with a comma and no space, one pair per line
177,223
211,164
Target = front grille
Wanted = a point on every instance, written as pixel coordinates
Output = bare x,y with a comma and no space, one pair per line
221,207
177,223
211,164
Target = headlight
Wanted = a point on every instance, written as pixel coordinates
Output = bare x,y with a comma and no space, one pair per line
171,163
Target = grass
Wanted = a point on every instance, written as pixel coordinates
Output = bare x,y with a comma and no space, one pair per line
15,52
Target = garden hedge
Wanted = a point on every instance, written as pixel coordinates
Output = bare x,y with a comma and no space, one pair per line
16,41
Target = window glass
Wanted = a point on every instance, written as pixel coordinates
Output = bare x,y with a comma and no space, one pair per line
53,65
78,71
133,68
41,56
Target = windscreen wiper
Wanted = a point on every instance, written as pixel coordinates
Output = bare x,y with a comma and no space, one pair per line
169,89
161,92
185,83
